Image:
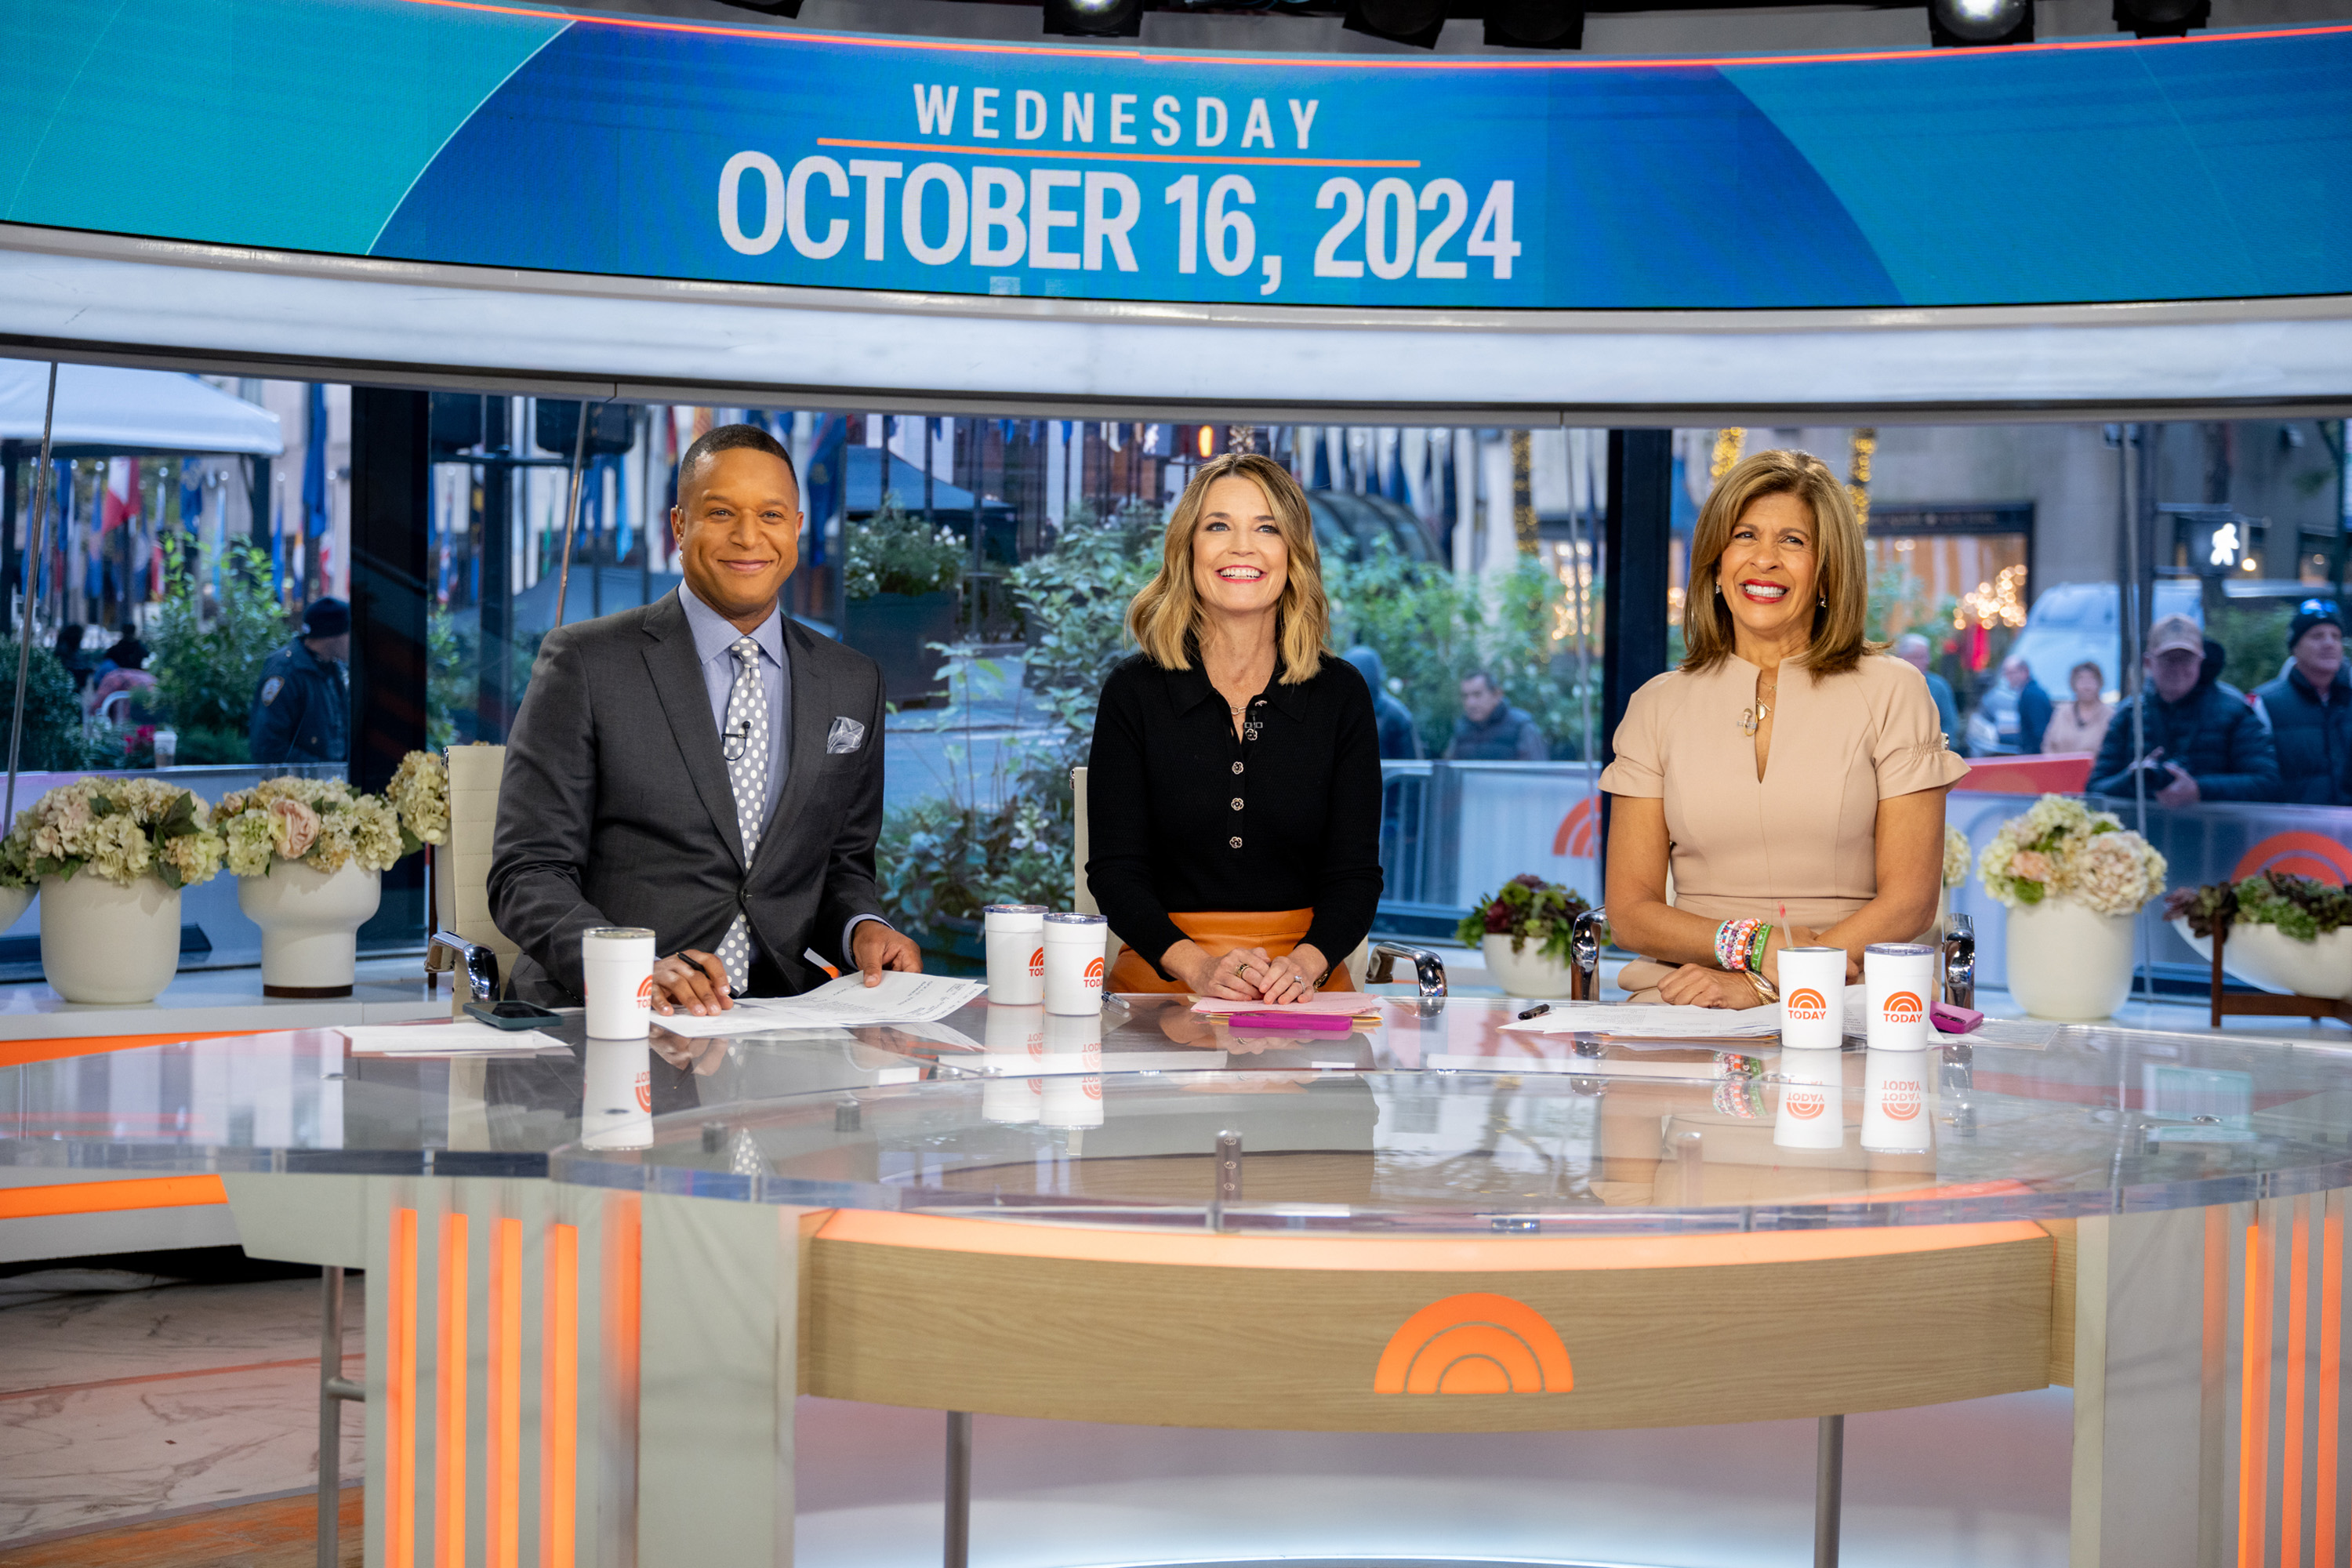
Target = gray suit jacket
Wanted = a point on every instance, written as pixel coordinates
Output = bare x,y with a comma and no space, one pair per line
615,807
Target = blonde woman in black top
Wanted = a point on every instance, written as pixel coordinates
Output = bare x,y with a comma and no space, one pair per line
1234,793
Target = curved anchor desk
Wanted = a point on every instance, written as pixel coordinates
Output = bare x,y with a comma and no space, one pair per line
599,1277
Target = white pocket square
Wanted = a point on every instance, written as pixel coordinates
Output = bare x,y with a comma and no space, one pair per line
847,735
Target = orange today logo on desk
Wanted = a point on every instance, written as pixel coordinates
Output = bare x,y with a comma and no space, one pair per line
1475,1343
1807,1005
1804,1103
1903,1007
1901,1098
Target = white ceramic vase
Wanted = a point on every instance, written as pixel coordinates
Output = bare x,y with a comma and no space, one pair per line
309,922
13,903
1525,973
2068,961
104,942
2265,956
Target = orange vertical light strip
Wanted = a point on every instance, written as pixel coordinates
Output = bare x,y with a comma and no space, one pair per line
449,1407
2331,1379
2298,1376
502,1425
2254,1402
559,1411
400,1397
621,1231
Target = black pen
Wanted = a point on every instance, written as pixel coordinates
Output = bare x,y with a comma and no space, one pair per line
1538,1011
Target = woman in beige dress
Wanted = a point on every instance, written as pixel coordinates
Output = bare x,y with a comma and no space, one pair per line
2082,724
1788,772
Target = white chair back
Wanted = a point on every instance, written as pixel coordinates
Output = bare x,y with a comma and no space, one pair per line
462,866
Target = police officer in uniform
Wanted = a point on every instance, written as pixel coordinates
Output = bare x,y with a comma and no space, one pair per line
302,712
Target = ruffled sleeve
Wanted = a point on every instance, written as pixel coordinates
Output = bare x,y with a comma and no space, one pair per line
1907,740
1639,769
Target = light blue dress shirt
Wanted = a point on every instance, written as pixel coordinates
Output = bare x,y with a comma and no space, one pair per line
714,645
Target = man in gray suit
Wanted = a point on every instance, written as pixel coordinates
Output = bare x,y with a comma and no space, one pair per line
703,765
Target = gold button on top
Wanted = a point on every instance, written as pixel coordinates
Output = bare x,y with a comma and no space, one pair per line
1236,842
1237,767
1238,802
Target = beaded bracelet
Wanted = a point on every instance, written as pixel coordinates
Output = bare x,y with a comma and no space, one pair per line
1732,939
1756,946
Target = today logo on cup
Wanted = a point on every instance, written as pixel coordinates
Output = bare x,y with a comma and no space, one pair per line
646,992
1904,1007
1807,1005
645,1091
1094,975
1037,964
1900,1099
1804,1103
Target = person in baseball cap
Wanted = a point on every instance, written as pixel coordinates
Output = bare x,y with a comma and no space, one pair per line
2310,708
301,710
2200,742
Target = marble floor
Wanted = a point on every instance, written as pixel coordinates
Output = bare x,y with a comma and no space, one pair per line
123,1396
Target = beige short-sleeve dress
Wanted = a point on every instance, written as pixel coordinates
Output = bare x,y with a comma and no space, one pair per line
1805,834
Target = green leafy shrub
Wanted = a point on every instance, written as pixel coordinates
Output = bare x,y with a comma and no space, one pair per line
207,662
2255,638
2303,907
894,551
53,739
1527,910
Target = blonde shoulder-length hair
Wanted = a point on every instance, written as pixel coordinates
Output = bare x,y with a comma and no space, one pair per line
1838,641
1165,618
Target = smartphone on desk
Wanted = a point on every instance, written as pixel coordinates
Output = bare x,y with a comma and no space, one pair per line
513,1014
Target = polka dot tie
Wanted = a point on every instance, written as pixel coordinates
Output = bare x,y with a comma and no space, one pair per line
746,730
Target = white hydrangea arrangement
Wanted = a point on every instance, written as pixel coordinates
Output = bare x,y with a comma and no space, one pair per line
1956,859
323,823
120,829
419,791
2062,850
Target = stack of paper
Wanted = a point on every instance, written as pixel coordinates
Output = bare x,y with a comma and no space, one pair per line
467,1037
847,1002
1653,1021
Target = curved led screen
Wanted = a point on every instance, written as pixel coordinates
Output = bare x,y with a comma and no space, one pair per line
2215,166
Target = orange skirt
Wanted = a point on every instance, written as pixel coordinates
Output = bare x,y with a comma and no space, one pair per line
1217,933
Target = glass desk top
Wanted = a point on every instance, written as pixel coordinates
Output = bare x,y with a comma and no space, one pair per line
1424,1117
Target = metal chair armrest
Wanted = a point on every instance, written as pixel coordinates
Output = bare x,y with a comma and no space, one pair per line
1958,942
1585,940
480,961
1428,969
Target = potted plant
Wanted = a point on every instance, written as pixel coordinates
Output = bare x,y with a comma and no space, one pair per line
1958,862
309,857
419,793
2284,933
2072,880
1525,932
898,590
111,856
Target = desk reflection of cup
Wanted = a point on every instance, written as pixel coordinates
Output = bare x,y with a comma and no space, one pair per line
616,1101
1812,1114
1070,1044
1896,1113
1072,1100
1014,936
618,965
1015,1041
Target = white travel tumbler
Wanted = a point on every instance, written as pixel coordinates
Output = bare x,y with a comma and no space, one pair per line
1014,935
1900,978
618,962
1897,1115
1074,962
1811,1113
1812,999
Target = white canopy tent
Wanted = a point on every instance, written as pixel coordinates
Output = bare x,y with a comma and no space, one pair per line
107,408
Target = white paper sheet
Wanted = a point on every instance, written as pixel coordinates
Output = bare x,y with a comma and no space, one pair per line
468,1036
845,1003
1653,1021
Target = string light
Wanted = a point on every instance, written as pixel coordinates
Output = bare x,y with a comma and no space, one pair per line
2001,602
1729,444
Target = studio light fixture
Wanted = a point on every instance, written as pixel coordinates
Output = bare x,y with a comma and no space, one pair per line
2161,18
1980,24
1095,18
1537,24
1414,22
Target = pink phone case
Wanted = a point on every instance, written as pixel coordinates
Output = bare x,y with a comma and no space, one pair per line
1295,1022
1953,1020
